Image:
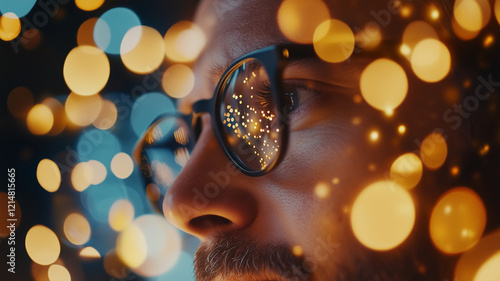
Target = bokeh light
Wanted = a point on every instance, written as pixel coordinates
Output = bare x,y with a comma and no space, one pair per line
457,221
462,33
58,272
322,190
333,41
472,15
59,114
112,26
497,10
20,8
20,101
97,172
159,243
178,81
384,84
184,41
107,117
40,119
48,175
86,70
415,32
10,26
83,110
147,54
77,229
122,165
114,266
89,253
433,151
31,39
382,215
121,214
85,34
89,5
42,245
407,170
298,19
81,176
146,108
431,60
482,257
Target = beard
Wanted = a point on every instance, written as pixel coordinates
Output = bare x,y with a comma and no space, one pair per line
236,257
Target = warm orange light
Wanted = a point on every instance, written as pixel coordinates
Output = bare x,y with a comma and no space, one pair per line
85,34
83,110
382,215
433,151
147,54
89,5
48,175
401,129
20,101
298,19
121,215
178,81
86,70
122,165
407,170
457,221
10,26
431,60
40,119
322,190
184,42
58,272
415,32
384,84
89,253
42,245
81,176
77,229
107,117
333,41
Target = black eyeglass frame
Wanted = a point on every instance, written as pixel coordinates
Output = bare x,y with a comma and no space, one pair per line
274,60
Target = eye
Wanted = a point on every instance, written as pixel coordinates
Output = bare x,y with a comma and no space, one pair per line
291,101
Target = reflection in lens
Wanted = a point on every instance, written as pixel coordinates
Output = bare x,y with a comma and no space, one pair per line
165,150
249,116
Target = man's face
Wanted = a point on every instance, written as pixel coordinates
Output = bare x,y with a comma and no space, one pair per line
294,223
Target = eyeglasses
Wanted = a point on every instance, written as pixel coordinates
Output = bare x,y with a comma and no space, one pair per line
249,112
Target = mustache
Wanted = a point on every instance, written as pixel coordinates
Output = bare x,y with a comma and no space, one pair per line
234,256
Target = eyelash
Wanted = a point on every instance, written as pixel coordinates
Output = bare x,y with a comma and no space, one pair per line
264,94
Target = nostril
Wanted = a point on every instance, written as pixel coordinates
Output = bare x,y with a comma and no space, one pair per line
208,222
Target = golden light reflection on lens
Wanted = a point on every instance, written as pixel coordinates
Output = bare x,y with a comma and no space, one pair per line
121,214
107,117
468,14
298,19
433,151
58,273
382,215
374,135
147,54
42,245
20,101
81,176
5,224
89,253
457,221
122,165
333,41
184,42
76,229
48,175
455,170
85,34
384,84
10,26
178,81
434,13
415,32
40,119
401,129
97,172
322,190
163,245
488,41
462,33
407,170
431,60
480,258
89,5
86,70
83,110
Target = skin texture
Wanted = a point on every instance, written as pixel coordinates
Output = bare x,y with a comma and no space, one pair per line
248,216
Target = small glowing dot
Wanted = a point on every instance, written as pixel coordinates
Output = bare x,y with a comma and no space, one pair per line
322,190
405,49
484,150
488,41
357,99
40,119
297,251
401,129
374,135
356,121
434,13
335,181
455,170
406,11
389,112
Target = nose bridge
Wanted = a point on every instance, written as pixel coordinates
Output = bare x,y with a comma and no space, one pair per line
210,194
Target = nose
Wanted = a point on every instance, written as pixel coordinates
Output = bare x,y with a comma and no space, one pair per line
210,195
